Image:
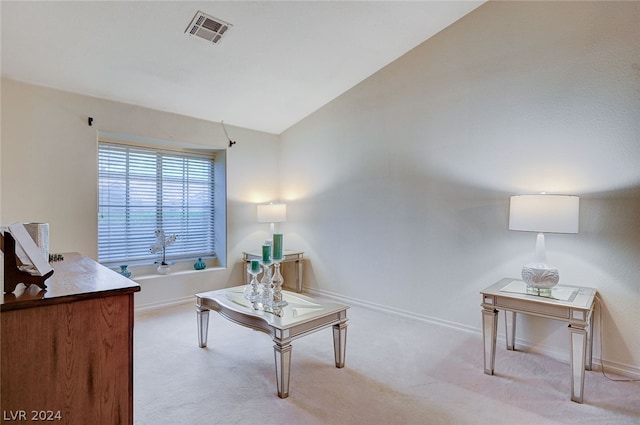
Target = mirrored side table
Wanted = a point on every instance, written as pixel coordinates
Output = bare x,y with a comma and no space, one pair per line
572,304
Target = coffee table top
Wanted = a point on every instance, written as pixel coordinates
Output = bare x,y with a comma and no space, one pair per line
301,309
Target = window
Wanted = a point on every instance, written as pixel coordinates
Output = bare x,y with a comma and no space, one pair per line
142,190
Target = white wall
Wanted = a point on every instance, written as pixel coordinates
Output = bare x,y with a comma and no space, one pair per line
401,187
49,174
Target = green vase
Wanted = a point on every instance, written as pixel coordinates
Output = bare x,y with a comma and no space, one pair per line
124,271
199,265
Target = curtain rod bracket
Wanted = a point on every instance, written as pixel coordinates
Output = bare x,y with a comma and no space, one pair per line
231,142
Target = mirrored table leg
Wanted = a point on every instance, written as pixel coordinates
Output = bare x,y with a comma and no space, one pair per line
340,343
589,356
578,350
203,325
489,331
282,353
510,327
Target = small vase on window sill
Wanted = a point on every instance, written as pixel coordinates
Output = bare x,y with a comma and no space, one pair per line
199,265
164,268
124,271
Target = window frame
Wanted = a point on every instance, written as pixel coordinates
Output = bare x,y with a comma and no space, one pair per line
219,256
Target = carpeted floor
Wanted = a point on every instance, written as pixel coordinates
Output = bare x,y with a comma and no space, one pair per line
398,371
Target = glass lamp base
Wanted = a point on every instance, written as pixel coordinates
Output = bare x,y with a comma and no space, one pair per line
540,276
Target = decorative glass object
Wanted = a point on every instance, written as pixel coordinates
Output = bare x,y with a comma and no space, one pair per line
199,265
162,242
253,291
266,288
124,271
277,281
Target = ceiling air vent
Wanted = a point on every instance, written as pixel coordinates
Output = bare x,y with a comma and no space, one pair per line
207,27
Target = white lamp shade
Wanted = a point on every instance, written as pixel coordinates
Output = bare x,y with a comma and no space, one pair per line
544,213
272,213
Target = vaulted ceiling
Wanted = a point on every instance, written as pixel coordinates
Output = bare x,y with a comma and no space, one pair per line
279,62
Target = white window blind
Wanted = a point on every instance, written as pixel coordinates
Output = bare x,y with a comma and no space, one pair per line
142,190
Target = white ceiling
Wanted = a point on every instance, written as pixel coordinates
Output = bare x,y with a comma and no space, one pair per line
280,62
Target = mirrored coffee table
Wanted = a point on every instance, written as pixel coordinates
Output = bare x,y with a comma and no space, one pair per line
302,316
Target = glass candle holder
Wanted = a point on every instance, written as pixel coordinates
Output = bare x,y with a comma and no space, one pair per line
266,287
252,291
277,282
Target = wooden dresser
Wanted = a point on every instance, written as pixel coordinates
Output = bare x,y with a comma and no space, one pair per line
67,352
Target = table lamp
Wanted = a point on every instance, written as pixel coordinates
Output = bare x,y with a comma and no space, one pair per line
543,214
272,213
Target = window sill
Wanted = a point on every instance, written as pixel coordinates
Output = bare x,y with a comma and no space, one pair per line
155,275
146,272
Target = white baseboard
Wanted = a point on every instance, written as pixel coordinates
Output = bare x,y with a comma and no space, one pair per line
394,311
628,371
164,304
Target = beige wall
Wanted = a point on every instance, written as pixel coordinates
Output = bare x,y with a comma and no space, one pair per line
49,174
401,187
